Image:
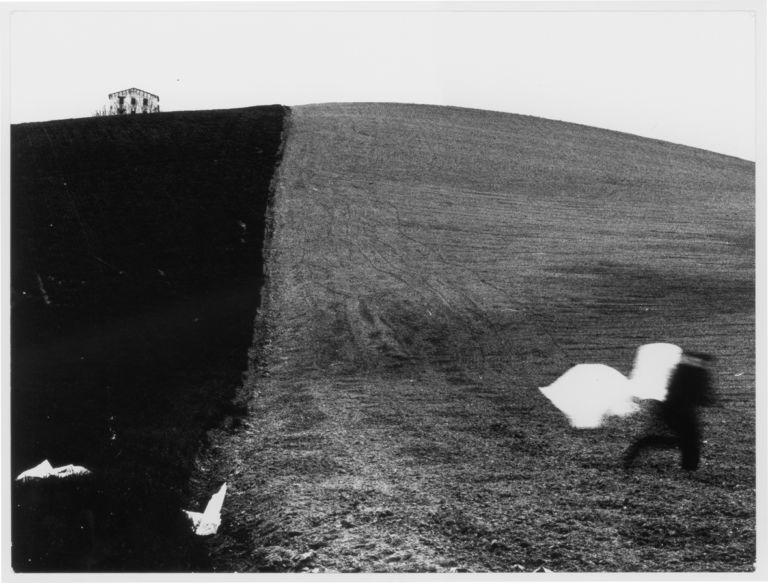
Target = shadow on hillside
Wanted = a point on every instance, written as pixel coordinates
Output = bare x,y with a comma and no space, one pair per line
136,274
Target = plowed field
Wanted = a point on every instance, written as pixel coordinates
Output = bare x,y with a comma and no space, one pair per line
429,268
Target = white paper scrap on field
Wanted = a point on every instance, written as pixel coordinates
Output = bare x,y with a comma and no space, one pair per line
654,365
588,393
45,470
208,522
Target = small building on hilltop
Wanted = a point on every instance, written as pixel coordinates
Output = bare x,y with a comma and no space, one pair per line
133,101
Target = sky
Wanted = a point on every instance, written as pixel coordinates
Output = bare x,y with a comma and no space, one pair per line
686,77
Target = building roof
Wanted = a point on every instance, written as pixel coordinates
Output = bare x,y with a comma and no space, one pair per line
132,90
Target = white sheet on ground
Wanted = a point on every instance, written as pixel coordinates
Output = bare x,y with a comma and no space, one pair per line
45,470
208,522
588,393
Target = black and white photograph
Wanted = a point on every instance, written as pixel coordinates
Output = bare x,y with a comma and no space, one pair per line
410,288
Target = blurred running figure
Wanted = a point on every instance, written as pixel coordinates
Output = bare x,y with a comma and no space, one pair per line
675,419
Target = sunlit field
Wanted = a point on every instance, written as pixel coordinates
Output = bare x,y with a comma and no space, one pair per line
428,269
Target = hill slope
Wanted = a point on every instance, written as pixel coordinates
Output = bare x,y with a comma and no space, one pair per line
428,269
398,209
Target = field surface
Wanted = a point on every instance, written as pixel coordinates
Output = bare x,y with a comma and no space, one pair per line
427,270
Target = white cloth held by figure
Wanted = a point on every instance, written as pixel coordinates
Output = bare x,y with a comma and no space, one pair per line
587,393
654,365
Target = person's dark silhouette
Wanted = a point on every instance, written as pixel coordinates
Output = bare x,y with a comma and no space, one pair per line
688,389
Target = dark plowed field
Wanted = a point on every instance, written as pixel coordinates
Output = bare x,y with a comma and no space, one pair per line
428,269
136,273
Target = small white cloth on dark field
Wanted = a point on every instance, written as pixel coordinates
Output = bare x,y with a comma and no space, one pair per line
45,470
208,522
